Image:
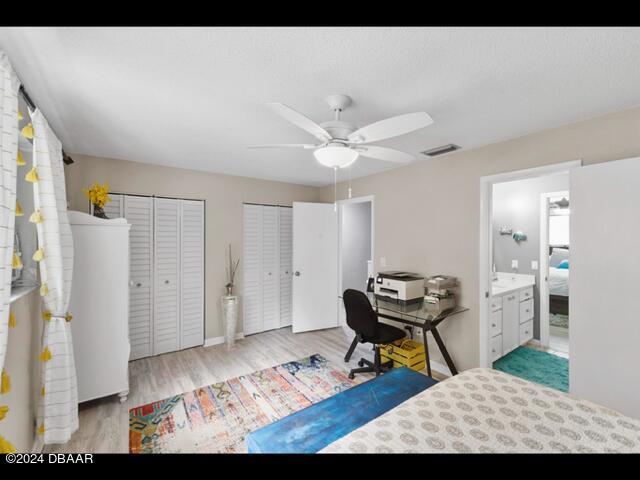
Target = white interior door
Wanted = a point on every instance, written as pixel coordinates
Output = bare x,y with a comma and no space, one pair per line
252,269
270,268
605,275
139,213
192,273
166,323
286,264
315,265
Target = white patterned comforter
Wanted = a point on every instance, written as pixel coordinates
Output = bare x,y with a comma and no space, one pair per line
484,410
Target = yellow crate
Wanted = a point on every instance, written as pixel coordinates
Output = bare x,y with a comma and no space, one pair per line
404,353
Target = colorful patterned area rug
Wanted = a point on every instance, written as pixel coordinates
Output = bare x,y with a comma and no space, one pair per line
216,418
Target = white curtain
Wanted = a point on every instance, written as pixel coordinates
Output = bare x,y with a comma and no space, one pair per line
58,412
9,85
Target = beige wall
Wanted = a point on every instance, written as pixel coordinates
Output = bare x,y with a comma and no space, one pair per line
427,214
224,195
23,367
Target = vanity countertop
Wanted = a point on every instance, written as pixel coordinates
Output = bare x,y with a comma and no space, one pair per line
510,282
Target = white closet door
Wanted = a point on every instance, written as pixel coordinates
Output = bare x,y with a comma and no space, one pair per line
115,208
252,269
286,264
192,274
166,335
139,213
270,268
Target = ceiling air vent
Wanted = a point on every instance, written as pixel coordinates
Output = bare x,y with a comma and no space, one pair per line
441,150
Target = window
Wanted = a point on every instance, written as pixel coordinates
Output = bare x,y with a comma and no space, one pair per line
25,240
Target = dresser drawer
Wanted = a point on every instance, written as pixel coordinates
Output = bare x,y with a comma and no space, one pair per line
495,323
526,294
496,347
526,310
496,303
526,332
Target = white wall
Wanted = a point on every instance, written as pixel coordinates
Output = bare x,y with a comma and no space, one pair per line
605,280
427,214
355,248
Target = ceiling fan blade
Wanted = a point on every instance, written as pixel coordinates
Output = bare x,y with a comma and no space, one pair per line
285,145
300,120
391,127
386,154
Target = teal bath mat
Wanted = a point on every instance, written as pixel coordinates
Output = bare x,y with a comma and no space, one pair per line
536,366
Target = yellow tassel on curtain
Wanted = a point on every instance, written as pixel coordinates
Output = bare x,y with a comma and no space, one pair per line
19,211
20,159
68,317
44,290
36,217
42,392
20,115
27,131
3,411
46,315
5,383
12,319
5,446
45,356
15,261
41,429
32,175
38,255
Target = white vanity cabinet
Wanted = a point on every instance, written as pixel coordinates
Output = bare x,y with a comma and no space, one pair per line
511,318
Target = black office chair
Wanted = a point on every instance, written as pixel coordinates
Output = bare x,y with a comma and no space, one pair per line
364,321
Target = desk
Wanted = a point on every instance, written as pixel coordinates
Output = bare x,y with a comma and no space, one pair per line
414,314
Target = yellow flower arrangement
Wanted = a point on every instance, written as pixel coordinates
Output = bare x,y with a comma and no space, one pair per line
98,194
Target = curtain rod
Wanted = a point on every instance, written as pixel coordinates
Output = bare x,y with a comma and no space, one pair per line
32,106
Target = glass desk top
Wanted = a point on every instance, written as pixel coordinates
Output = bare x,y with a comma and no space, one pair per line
416,311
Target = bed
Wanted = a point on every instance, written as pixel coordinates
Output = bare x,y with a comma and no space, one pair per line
558,280
484,410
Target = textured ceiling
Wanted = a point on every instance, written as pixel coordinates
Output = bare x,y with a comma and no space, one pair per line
194,97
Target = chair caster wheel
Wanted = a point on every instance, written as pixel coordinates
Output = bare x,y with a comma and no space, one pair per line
351,376
360,363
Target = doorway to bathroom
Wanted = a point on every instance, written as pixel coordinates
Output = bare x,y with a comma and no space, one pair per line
520,222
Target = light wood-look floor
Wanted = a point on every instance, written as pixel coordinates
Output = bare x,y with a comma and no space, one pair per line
104,422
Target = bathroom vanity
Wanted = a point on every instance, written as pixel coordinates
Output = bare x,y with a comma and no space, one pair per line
512,310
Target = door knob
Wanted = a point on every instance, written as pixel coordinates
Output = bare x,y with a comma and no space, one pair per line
297,274
138,284
166,282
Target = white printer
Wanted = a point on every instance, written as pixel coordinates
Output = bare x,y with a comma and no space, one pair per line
400,286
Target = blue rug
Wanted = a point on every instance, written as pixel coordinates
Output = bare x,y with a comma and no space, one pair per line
536,366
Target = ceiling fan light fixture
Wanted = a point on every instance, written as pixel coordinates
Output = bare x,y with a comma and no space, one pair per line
335,155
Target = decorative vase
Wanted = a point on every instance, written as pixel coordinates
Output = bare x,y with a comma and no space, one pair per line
230,318
99,212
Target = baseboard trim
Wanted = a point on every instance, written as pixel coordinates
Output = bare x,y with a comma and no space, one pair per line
212,341
440,368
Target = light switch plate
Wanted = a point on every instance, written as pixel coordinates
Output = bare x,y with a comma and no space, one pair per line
383,261
534,264
514,263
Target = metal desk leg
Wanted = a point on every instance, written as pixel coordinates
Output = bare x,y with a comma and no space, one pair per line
347,357
426,350
443,350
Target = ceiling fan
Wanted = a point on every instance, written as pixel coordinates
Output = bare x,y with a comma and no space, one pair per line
341,143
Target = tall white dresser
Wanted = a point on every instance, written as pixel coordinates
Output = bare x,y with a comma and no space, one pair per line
100,305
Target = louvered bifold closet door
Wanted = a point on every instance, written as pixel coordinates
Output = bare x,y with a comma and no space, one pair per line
115,208
286,264
252,269
139,213
192,274
166,335
270,268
